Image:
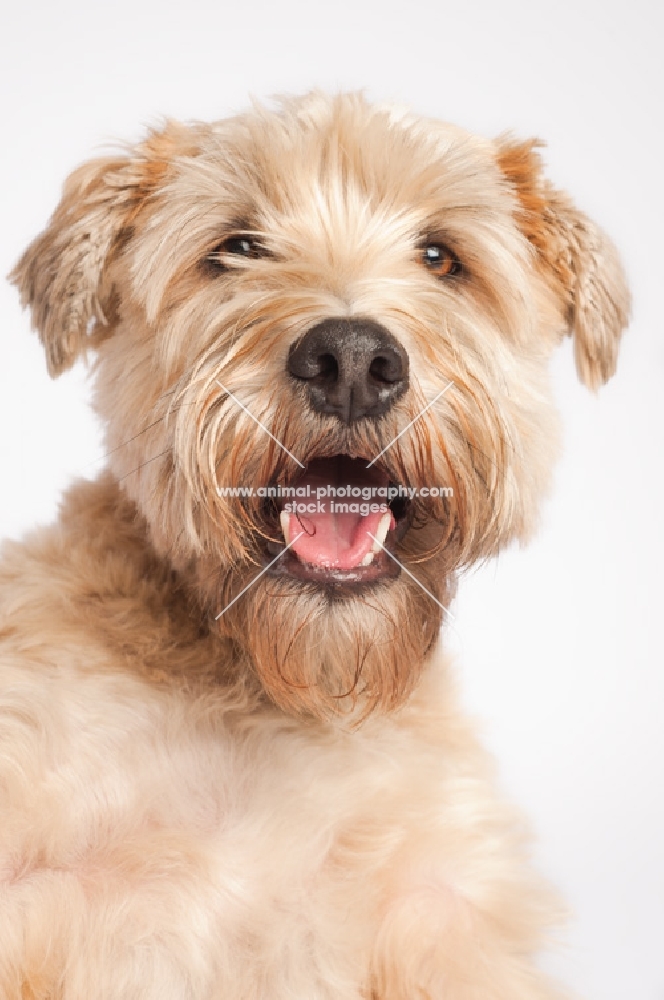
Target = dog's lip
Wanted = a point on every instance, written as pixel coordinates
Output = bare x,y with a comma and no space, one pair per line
381,568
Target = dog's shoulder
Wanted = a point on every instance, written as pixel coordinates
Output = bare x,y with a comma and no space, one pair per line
88,594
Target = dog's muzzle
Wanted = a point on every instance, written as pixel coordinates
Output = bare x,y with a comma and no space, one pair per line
352,368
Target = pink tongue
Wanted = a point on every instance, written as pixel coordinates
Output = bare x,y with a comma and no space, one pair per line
329,536
339,540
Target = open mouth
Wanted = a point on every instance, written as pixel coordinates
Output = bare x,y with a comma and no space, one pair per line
338,519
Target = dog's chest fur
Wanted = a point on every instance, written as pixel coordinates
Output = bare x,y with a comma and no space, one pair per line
174,806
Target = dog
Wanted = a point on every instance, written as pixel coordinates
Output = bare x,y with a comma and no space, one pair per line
233,763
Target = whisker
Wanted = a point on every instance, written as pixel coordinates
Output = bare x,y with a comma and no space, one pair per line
143,464
124,444
134,437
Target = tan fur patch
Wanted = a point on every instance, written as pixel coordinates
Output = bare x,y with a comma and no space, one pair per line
523,167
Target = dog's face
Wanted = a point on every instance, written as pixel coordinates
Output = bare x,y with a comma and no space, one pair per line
325,296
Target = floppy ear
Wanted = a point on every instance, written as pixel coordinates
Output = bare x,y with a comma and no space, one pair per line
578,260
63,274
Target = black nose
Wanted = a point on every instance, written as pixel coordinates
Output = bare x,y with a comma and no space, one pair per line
353,368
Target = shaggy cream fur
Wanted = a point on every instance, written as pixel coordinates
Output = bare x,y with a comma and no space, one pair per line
282,800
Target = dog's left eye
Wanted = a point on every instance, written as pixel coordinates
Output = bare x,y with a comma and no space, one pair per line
242,246
236,246
440,260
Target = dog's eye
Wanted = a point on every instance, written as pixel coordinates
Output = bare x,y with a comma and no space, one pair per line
241,245
441,261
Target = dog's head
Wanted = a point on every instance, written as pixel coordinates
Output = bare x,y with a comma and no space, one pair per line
331,303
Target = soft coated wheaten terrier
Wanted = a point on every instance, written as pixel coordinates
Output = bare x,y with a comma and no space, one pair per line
214,788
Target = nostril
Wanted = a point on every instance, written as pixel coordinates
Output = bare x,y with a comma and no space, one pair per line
312,361
386,369
328,368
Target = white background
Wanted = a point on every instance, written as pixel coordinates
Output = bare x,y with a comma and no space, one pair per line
560,645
